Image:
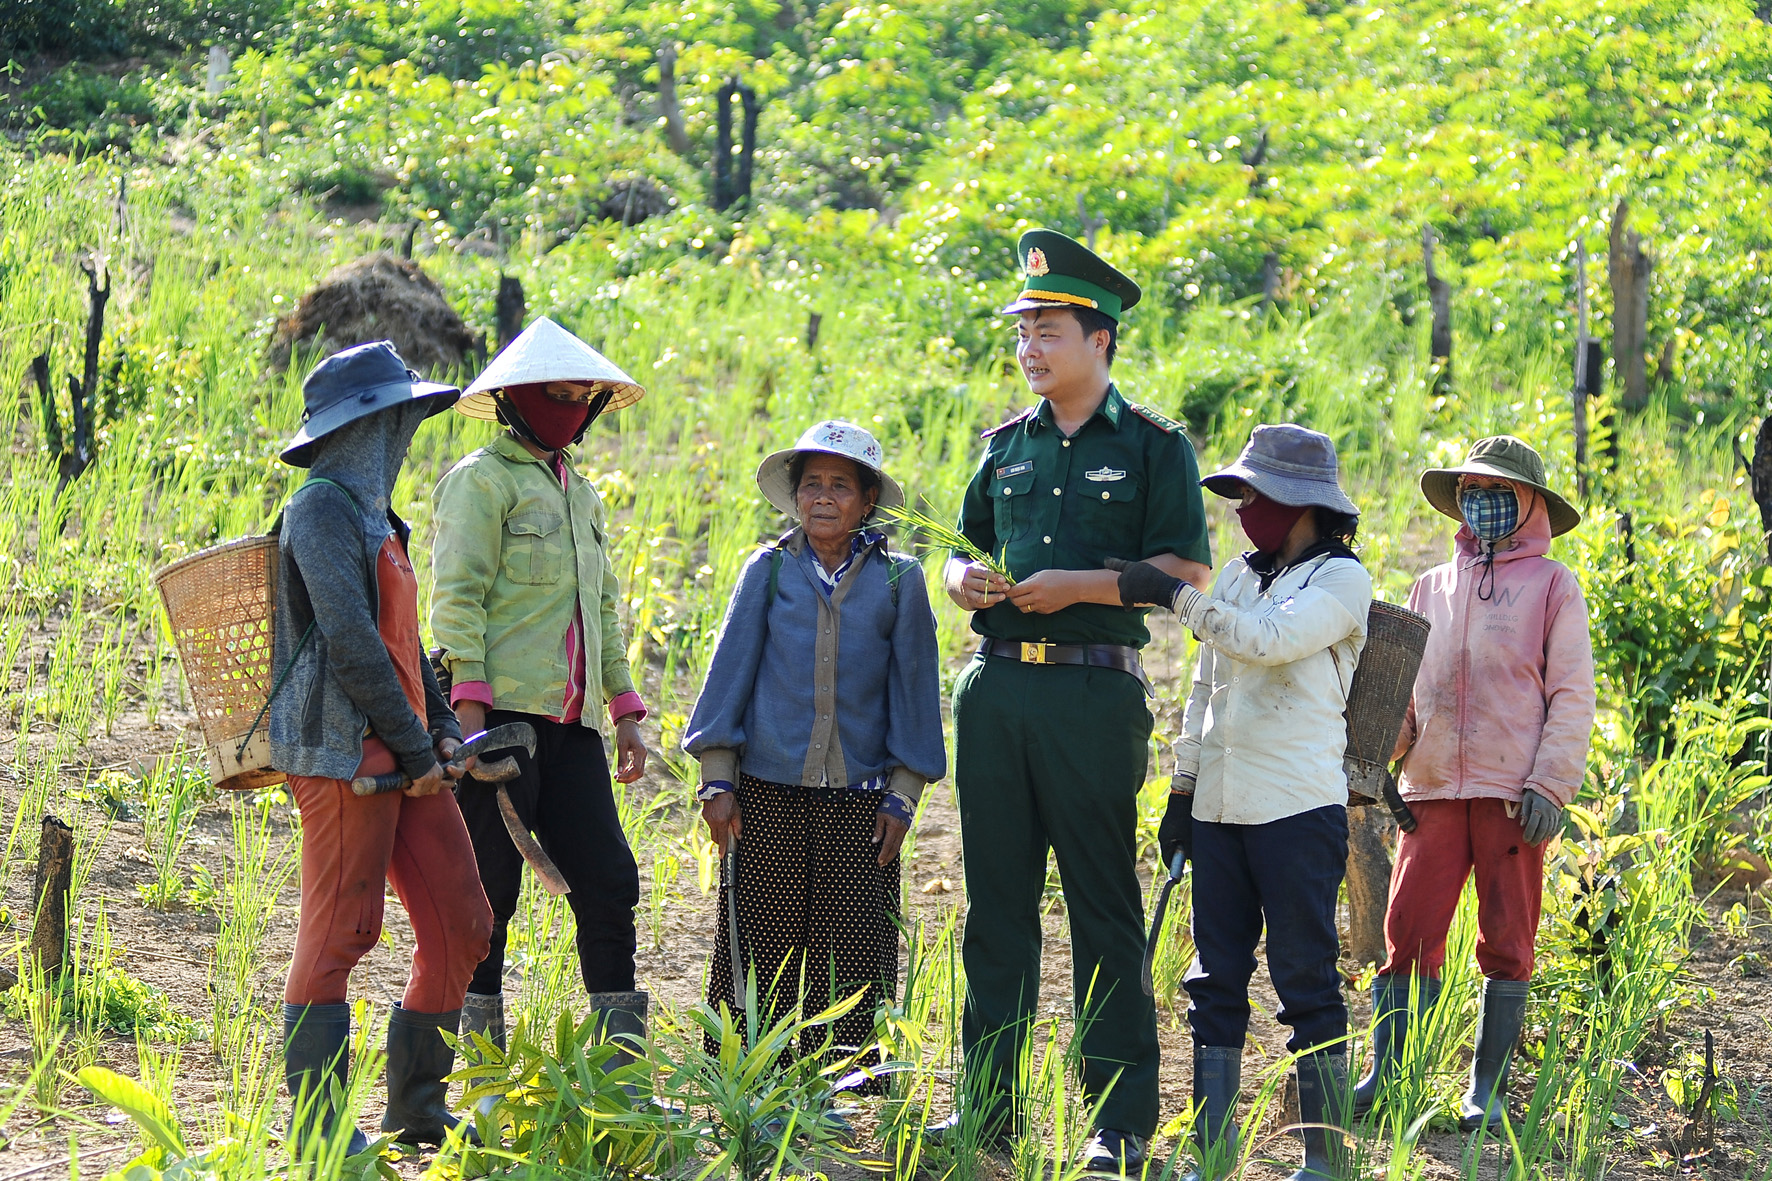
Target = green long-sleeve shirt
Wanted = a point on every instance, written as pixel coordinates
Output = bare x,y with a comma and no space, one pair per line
509,541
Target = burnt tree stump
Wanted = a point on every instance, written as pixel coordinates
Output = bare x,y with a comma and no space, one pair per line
1368,883
509,309
55,878
1439,297
1628,265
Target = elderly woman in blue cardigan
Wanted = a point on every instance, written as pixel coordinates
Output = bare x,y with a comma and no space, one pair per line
817,729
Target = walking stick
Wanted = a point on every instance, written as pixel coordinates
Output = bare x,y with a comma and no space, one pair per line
729,866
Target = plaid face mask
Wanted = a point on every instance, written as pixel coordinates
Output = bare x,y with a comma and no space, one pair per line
1491,513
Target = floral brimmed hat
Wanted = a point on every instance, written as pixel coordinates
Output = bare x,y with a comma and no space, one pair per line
833,437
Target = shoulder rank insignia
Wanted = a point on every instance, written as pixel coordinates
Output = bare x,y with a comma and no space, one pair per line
1156,419
1022,417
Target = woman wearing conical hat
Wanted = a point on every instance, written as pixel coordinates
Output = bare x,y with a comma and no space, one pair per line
523,608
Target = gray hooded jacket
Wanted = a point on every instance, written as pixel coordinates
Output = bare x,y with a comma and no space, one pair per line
343,683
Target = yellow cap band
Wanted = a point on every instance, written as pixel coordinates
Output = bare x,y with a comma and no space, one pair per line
1060,297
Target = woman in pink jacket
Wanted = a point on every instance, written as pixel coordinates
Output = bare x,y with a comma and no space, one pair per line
1493,746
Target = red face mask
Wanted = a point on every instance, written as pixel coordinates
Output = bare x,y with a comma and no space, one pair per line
1267,522
553,422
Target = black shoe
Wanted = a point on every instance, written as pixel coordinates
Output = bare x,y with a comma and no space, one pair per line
317,1055
1322,1091
419,1060
993,1135
1392,1018
1218,1077
1500,1015
1117,1154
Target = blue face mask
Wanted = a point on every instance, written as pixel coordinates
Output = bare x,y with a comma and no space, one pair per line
1491,513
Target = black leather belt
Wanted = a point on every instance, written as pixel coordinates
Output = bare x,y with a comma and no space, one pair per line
1115,656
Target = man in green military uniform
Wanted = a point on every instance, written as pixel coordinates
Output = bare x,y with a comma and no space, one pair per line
1051,728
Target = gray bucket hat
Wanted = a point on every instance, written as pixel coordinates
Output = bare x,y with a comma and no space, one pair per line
1505,457
1289,464
355,382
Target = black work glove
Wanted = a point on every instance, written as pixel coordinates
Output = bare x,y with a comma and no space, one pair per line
1540,817
1141,583
1176,833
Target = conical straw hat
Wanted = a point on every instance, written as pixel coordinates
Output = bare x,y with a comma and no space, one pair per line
546,352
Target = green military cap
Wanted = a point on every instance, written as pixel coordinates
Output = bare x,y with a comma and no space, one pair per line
1060,272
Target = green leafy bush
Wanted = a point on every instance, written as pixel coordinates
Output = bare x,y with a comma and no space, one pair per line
1679,608
84,28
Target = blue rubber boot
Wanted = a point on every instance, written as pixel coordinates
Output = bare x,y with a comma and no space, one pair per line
1322,1100
1392,1018
1218,1076
1500,1015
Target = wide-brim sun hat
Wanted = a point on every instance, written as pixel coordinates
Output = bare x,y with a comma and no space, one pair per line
1288,464
775,477
545,353
353,383
1507,458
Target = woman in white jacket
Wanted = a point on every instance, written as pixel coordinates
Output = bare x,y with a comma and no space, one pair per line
1259,797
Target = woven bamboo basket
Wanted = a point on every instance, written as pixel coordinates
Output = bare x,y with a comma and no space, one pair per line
1379,696
220,602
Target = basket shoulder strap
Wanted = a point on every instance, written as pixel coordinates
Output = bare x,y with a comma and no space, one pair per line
277,524
308,632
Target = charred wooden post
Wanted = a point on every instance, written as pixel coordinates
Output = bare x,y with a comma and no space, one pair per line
52,422
723,145
669,109
1439,295
1588,363
747,152
1270,279
1628,265
510,309
74,452
86,393
1760,483
55,877
1089,222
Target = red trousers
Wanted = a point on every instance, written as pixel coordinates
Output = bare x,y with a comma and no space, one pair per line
1451,839
351,847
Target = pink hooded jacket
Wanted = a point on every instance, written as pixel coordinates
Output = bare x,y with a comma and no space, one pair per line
1505,696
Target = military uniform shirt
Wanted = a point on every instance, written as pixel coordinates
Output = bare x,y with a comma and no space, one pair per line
1126,485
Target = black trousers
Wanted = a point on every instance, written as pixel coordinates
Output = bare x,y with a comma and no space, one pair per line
1285,874
564,796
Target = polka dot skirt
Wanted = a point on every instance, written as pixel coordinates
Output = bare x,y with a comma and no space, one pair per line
812,899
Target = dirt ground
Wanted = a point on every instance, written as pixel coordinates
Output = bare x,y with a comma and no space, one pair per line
170,951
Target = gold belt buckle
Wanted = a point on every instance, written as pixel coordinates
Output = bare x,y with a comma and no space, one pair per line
1034,653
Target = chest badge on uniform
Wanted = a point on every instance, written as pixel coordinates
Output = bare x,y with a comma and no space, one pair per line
1015,469
1105,475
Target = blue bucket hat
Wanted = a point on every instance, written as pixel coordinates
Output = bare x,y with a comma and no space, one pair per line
353,383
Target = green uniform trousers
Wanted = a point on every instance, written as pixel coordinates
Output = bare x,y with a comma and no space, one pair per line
1052,757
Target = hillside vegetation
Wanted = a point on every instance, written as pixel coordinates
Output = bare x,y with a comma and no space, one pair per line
1265,169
